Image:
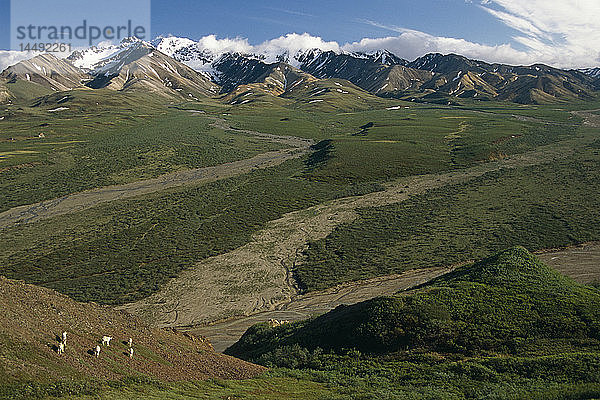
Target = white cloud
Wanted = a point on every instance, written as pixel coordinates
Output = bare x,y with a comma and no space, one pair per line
293,43
220,46
290,43
563,33
411,44
269,50
8,58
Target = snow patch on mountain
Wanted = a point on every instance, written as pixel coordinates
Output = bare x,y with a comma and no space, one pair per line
293,49
211,56
593,72
108,58
202,54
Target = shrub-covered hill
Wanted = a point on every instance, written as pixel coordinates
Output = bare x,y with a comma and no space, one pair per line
507,303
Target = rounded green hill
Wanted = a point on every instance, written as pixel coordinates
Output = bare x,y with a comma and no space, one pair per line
504,304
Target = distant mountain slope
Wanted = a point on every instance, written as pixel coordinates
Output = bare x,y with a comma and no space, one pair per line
331,95
232,70
384,74
16,90
157,73
131,65
5,95
379,73
33,318
108,60
497,305
328,64
384,57
459,76
254,75
593,72
48,71
444,64
240,74
181,67
188,52
286,83
449,75
136,65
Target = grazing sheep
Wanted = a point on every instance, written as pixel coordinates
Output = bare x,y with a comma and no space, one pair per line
275,322
131,352
64,337
130,342
97,351
106,340
61,348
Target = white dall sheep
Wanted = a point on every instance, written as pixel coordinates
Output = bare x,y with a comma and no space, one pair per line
131,352
130,342
273,323
64,337
97,351
106,340
61,348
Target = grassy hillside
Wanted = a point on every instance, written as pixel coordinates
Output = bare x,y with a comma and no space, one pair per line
33,319
507,327
20,91
125,249
97,138
405,138
146,240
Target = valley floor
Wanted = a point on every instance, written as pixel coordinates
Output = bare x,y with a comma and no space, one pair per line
222,295
295,148
196,298
291,237
582,263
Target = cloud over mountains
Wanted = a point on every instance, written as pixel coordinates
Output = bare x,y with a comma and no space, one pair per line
8,58
564,33
560,33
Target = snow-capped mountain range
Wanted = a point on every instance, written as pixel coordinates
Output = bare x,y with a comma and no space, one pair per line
171,65
106,58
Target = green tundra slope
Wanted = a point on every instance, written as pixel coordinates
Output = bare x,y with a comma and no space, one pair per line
504,304
505,327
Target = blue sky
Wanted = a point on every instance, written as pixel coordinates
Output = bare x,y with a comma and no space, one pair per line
337,20
342,21
557,32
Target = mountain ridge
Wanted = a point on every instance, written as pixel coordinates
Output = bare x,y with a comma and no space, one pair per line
48,71
383,73
182,65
